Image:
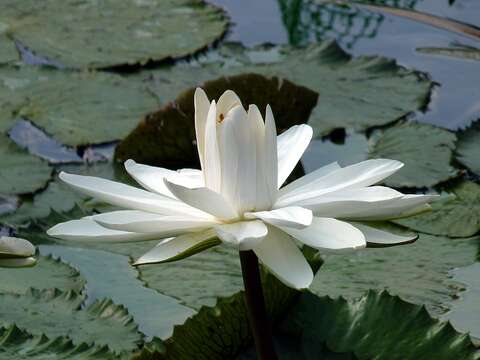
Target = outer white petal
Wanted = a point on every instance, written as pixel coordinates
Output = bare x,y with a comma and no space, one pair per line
87,230
262,192
13,247
271,156
151,177
18,262
380,238
211,167
128,196
279,253
200,100
244,235
290,147
293,216
143,222
204,199
329,235
173,248
355,176
227,101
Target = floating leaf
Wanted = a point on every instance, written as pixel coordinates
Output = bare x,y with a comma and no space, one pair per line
8,51
20,172
468,147
417,272
455,216
55,313
354,92
21,345
110,33
460,52
426,151
375,326
167,137
47,274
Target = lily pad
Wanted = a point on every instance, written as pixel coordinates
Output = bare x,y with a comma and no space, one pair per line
360,326
8,51
20,172
55,313
457,215
48,273
94,34
354,93
468,147
167,137
75,108
417,272
21,345
426,151
458,51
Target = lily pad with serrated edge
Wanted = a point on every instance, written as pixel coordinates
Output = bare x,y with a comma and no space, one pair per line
457,215
100,34
20,172
354,93
76,108
425,150
468,147
56,313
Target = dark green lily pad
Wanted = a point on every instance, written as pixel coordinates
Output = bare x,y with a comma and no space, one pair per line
426,151
457,215
21,345
75,108
48,273
167,137
417,272
468,147
20,172
8,51
375,326
354,92
55,313
94,34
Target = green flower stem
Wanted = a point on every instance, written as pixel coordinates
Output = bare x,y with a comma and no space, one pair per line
257,314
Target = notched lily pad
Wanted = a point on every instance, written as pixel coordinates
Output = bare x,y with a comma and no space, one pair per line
426,150
20,172
468,147
167,137
457,215
99,34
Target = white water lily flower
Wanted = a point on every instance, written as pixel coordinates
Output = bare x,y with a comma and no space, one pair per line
238,197
16,252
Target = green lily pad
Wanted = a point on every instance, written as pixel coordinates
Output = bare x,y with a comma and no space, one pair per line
458,51
20,172
55,313
417,272
354,92
375,326
75,108
94,34
48,273
426,151
21,345
8,51
457,215
468,147
167,137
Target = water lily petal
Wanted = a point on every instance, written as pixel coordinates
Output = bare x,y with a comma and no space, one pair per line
244,234
179,247
227,101
128,196
329,235
151,177
87,230
355,176
201,103
211,166
380,238
144,222
270,162
279,253
204,199
293,216
290,147
18,262
12,247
